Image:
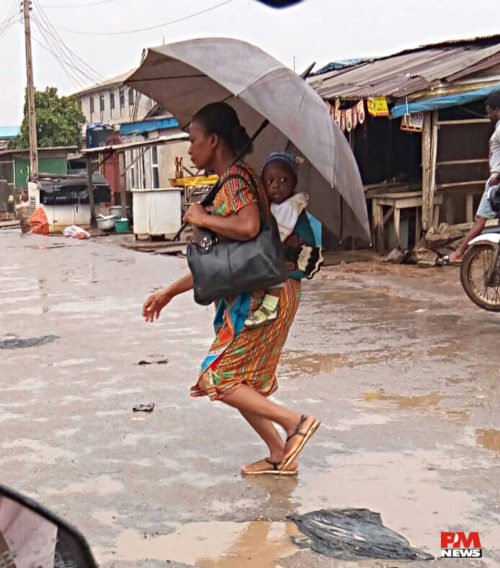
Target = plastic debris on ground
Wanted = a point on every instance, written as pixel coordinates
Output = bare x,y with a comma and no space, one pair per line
144,407
349,534
153,360
76,232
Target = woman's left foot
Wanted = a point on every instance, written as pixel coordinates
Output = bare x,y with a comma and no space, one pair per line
296,441
268,467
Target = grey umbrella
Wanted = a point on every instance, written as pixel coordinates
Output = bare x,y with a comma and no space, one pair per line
185,76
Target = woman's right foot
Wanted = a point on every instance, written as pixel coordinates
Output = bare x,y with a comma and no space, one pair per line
268,467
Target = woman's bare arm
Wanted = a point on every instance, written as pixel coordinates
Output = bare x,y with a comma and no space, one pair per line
241,226
157,301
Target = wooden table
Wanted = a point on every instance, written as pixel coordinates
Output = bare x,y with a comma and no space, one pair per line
396,202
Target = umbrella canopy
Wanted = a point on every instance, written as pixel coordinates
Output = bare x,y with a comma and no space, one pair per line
185,76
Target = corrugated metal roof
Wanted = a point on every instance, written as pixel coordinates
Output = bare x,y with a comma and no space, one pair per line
411,71
118,80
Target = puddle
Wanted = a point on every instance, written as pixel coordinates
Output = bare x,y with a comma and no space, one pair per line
101,485
405,488
25,342
490,439
405,402
71,362
313,363
447,350
212,544
457,414
38,452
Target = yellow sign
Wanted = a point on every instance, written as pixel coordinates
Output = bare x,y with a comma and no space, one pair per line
377,106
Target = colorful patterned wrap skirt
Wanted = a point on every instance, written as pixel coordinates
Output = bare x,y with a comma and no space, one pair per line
241,355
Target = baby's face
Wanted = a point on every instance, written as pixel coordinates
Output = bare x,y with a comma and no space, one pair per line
279,181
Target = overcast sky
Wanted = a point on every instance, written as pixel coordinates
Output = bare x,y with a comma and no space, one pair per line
315,30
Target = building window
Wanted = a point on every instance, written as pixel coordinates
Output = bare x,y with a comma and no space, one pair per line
101,103
122,98
130,97
111,101
155,172
91,104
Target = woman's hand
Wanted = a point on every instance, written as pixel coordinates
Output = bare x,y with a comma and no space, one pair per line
154,304
196,215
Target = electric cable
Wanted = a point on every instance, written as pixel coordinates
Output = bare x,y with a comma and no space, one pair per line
86,70
184,18
78,5
11,18
78,75
68,74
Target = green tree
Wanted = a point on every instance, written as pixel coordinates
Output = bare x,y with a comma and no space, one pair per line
59,121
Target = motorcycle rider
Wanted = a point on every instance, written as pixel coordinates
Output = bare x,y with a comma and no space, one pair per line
484,211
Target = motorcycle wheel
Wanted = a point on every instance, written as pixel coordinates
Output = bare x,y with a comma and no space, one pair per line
473,274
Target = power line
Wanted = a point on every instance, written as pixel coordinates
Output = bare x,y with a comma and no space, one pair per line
68,74
66,55
69,65
183,19
77,5
11,18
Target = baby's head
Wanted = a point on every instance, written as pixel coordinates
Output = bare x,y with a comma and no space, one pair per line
279,176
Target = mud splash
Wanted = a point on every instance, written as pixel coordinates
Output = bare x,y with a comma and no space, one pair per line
313,363
212,544
405,402
490,439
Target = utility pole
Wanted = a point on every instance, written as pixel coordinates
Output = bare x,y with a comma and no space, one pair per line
30,92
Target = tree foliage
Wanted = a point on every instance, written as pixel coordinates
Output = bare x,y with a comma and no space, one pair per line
59,121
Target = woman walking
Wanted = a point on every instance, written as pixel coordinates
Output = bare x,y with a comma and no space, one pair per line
239,369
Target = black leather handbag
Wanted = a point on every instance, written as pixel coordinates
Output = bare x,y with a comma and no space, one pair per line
223,267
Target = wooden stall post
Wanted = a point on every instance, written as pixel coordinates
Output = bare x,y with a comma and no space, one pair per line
429,156
90,185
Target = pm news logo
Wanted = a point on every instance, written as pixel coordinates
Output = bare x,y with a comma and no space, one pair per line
459,545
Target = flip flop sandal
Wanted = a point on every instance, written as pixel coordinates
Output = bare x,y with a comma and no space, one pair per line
301,442
274,471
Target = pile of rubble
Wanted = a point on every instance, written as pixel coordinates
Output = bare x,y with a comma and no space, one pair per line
433,245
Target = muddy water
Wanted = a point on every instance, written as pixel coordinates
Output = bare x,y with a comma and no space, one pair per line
401,368
212,544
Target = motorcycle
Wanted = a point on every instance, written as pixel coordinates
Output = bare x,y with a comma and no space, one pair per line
31,535
480,270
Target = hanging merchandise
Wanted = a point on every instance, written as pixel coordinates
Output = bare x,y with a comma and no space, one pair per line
377,107
361,111
337,117
413,122
348,119
354,116
342,119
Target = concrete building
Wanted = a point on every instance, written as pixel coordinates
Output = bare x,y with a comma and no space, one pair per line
112,102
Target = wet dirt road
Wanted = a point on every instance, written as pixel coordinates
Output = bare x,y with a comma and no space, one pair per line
400,366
